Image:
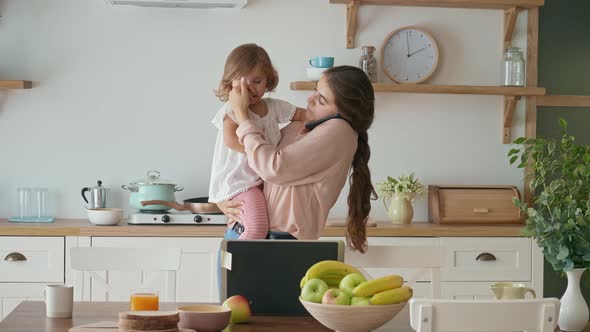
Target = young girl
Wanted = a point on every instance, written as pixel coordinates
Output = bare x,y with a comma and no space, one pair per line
231,177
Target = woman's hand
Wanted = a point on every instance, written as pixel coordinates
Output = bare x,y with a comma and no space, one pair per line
231,209
239,99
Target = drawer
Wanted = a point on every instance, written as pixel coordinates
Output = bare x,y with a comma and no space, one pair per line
43,259
487,259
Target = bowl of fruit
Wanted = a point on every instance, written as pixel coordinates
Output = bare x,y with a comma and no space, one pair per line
342,299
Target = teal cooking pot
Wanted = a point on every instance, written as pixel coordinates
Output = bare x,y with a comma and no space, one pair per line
152,188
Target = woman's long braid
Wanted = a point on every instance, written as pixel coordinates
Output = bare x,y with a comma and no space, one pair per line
355,99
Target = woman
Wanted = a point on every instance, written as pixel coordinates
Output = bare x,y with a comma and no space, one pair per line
305,172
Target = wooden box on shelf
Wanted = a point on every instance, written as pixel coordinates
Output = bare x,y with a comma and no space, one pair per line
473,205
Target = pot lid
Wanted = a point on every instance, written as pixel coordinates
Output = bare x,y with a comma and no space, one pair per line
153,177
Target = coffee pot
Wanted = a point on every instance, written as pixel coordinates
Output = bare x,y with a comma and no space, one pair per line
98,196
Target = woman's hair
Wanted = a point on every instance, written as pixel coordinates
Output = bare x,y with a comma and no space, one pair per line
240,62
355,100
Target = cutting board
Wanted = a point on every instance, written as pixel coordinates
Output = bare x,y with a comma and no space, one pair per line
110,326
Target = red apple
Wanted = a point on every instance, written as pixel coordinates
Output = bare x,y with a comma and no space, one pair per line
336,296
240,309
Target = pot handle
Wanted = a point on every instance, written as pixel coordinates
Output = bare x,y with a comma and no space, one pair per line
178,188
84,190
130,188
169,204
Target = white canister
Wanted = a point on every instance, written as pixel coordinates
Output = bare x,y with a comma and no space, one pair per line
59,301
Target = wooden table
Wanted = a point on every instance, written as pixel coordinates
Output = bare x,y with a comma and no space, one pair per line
29,316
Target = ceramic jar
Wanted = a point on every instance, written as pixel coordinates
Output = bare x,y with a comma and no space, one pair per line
399,210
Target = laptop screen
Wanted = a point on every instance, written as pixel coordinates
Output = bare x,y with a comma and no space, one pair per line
268,272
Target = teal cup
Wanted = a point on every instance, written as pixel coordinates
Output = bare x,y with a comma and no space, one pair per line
322,61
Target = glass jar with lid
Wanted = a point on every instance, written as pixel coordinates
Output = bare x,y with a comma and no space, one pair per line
513,67
368,63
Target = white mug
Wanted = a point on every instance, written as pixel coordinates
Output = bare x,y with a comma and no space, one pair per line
59,301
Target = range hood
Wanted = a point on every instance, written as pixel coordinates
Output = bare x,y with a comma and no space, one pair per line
200,4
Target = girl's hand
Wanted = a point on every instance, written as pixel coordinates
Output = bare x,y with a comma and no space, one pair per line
239,99
231,209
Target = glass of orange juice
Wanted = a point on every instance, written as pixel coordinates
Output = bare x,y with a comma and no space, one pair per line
144,299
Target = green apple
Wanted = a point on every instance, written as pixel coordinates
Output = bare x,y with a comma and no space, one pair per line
240,309
360,300
313,290
351,280
336,296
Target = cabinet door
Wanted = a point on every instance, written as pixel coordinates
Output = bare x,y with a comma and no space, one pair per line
31,259
468,290
12,294
196,279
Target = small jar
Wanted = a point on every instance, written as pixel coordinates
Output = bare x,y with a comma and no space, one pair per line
368,63
513,67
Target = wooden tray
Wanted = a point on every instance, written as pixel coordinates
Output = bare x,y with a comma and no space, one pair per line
109,326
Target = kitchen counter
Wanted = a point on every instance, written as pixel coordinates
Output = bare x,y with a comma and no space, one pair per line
82,227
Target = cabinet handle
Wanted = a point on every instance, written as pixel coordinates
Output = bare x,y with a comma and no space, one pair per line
485,257
15,257
480,210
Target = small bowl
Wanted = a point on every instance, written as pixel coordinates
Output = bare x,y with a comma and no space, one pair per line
105,216
356,318
314,74
204,317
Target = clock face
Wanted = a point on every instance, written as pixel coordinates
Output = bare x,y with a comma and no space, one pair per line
409,55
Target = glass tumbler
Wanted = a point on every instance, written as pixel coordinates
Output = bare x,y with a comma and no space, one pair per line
144,299
40,197
24,198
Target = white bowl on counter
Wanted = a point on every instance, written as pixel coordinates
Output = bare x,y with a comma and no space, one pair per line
105,216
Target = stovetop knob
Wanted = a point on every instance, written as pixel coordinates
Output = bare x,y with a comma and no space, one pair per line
166,218
198,218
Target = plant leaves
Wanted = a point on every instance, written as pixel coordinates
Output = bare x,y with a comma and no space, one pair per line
563,253
563,123
519,140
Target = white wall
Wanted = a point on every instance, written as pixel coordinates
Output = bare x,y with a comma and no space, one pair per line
122,90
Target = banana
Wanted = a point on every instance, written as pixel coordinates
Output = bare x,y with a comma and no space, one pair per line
378,285
320,269
392,296
332,279
303,281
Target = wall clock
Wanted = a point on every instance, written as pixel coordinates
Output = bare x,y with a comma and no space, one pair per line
409,55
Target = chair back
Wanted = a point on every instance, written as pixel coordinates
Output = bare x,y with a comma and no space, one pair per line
534,315
424,258
96,259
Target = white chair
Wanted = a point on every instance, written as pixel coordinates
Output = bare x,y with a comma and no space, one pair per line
423,258
97,259
535,315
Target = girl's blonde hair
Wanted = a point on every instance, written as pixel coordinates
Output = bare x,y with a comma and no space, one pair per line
240,62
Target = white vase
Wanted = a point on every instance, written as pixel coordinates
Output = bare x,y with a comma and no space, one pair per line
573,314
400,210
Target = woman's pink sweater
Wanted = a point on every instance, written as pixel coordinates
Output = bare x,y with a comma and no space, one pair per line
303,175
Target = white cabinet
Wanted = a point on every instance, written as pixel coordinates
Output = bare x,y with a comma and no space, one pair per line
196,278
28,264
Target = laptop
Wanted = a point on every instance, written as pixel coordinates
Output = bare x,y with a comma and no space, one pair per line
268,272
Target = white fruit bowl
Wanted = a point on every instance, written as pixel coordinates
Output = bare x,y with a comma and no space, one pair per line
355,318
105,216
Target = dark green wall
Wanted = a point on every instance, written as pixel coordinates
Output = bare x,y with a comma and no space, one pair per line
564,69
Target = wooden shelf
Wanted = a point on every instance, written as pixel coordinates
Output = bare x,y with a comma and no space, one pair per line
511,9
16,84
444,89
564,101
478,4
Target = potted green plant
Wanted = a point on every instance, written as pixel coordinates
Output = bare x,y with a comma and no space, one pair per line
401,192
559,215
